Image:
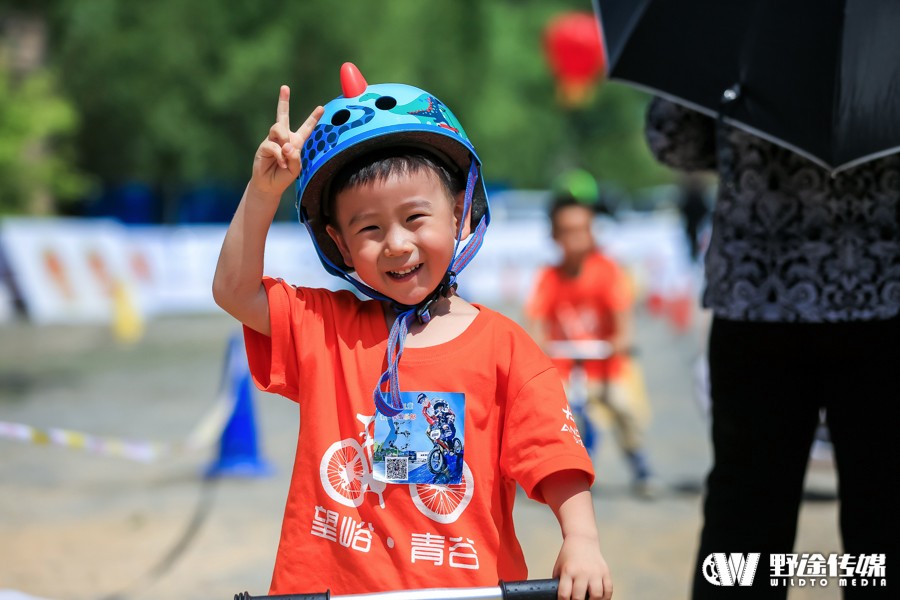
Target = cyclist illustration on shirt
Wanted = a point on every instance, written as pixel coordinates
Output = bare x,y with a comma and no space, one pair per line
441,422
441,431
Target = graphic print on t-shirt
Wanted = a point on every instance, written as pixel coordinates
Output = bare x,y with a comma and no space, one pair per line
423,443
346,473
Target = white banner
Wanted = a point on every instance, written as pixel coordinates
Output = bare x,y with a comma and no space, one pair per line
67,270
74,270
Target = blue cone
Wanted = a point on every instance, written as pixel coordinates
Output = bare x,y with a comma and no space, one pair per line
239,454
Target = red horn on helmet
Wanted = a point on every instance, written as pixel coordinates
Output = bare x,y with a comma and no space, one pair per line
352,82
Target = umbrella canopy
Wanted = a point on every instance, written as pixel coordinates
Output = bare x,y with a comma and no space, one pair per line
821,77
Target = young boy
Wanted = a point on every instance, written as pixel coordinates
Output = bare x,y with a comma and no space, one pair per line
383,192
587,297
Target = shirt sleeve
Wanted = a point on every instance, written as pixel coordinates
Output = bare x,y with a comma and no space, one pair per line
679,137
540,437
538,304
620,292
273,359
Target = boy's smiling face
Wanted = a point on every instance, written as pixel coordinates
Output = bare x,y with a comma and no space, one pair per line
398,233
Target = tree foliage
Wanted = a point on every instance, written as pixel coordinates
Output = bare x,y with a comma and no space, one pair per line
36,124
180,93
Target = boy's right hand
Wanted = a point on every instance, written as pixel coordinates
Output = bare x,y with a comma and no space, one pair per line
237,285
277,161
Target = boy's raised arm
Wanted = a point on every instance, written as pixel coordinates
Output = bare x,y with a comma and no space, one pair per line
580,567
237,284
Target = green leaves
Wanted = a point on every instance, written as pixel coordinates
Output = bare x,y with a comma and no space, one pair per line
36,124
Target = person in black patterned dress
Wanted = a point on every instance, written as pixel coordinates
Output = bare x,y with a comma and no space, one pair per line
803,281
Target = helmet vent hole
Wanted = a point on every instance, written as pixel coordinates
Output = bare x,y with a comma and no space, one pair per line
340,117
385,103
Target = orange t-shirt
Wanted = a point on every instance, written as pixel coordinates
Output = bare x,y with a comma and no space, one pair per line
344,532
581,308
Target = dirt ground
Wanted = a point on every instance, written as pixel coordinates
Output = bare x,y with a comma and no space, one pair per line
78,526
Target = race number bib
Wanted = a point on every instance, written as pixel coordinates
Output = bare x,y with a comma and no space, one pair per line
424,442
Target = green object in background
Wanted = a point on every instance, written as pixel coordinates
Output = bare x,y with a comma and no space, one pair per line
37,126
579,184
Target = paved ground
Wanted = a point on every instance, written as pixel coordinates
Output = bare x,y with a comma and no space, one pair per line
77,526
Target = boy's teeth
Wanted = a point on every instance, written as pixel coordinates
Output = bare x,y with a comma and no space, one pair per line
406,272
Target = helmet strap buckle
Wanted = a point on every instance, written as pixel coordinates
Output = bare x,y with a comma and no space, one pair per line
444,290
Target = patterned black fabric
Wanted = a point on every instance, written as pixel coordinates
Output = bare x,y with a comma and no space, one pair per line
790,243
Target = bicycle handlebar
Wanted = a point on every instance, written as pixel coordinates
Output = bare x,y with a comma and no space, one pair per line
535,589
580,349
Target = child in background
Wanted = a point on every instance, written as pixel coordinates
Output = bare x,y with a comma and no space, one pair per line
389,187
588,297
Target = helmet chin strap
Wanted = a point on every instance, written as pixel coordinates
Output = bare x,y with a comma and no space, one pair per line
422,310
388,402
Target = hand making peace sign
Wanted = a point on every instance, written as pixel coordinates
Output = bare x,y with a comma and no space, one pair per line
277,161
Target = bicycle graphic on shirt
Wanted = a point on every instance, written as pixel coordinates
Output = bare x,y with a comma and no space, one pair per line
346,474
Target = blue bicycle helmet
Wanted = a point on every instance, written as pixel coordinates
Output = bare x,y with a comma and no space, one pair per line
371,117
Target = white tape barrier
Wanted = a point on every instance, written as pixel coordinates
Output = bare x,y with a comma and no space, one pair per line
17,595
207,431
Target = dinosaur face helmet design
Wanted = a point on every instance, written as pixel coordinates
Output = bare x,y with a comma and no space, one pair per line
372,117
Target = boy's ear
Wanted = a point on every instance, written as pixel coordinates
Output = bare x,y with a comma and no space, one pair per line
459,205
341,244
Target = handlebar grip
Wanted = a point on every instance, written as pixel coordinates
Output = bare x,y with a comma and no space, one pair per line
535,589
326,595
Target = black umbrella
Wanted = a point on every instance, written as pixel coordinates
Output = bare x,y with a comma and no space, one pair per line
821,77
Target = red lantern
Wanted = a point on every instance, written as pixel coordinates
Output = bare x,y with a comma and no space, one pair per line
575,53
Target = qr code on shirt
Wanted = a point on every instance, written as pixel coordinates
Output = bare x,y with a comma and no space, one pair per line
396,468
